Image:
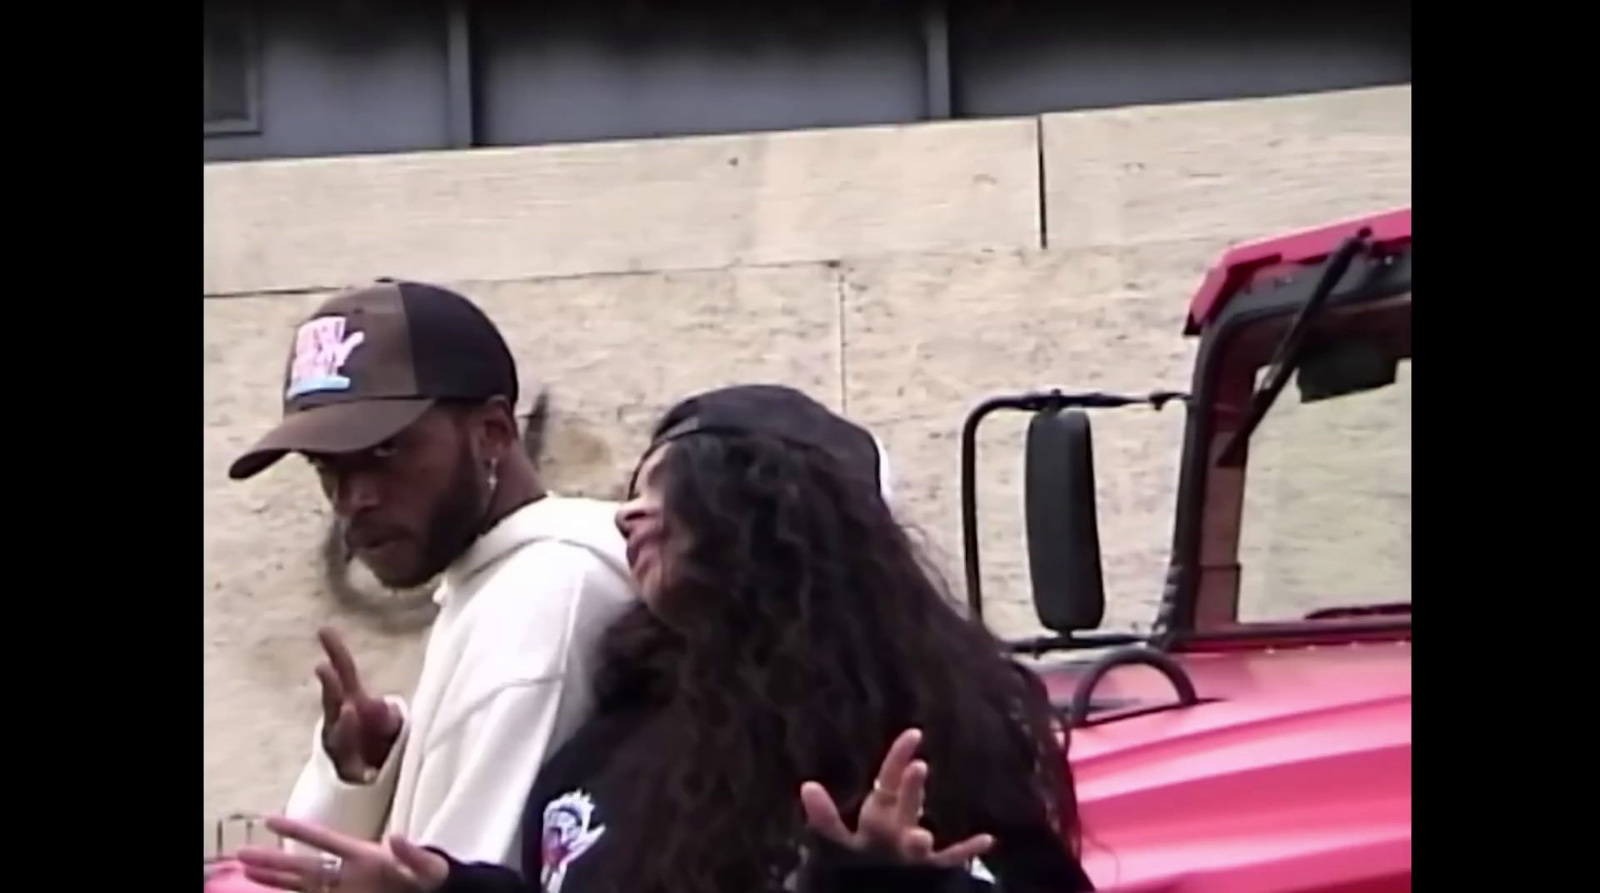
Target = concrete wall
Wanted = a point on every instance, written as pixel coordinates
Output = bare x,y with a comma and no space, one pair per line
899,273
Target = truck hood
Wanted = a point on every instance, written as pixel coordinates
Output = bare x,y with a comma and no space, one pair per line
1294,775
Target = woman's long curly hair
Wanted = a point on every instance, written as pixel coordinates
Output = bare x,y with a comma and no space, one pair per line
797,633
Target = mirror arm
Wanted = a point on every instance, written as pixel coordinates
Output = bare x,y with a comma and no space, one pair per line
1034,402
1038,646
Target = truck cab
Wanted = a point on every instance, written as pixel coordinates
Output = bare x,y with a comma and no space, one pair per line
1257,739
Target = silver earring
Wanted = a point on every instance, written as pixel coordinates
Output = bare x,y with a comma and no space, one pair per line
494,479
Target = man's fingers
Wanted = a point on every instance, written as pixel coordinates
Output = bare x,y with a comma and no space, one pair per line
344,743
378,717
332,691
896,760
378,724
345,735
341,845
343,664
958,854
822,816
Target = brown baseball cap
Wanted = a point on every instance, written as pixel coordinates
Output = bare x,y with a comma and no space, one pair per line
372,360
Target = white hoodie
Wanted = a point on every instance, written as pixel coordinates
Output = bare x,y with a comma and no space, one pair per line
505,681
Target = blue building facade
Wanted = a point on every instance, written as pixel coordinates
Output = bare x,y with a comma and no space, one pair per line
295,78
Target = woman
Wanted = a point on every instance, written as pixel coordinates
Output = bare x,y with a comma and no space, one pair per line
788,634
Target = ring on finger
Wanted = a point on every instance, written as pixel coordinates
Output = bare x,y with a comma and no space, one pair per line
887,792
329,867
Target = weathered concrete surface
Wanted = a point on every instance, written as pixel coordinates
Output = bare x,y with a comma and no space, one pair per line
1224,171
941,298
696,203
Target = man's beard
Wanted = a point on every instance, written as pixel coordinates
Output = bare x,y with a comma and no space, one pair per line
457,521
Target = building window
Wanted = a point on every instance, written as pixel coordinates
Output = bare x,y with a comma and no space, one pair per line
233,105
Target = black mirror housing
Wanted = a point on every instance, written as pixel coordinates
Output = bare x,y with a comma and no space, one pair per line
1063,529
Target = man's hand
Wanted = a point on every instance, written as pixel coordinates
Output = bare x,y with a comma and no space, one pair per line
358,730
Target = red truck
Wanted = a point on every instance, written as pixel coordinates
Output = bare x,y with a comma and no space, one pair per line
1264,754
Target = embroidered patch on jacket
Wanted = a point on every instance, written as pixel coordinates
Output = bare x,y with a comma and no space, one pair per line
567,834
321,348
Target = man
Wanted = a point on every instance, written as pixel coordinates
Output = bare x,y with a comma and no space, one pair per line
402,395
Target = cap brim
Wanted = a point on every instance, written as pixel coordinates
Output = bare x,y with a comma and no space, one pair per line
335,428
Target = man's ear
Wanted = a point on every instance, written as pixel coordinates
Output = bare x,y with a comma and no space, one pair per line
497,423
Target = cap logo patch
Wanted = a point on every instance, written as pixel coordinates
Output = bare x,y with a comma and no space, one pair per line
321,348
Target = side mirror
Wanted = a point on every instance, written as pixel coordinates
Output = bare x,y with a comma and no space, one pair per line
1063,527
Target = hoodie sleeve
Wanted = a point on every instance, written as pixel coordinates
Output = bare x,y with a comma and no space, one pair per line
321,797
522,688
502,745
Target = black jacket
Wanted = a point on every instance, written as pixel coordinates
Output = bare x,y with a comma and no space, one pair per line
564,839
